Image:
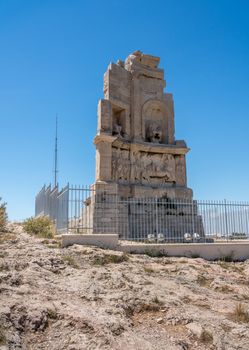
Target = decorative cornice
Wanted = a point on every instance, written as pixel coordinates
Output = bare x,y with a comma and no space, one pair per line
141,146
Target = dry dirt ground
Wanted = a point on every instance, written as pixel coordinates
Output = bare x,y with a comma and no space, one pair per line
89,298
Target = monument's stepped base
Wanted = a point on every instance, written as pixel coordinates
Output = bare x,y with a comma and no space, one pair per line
138,218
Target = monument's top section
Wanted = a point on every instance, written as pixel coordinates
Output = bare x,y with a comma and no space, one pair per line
139,63
135,141
135,107
142,59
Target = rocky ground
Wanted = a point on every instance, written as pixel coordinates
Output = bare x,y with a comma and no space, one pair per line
89,298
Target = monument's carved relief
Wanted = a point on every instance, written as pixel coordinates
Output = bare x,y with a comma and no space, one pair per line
135,143
142,167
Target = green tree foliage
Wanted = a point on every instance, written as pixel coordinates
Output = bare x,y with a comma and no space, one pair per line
3,215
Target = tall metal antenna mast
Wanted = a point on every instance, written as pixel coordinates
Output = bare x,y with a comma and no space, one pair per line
56,153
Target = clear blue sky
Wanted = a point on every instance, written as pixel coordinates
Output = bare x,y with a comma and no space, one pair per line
53,57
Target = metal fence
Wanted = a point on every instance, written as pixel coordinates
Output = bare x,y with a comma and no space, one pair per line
54,204
91,209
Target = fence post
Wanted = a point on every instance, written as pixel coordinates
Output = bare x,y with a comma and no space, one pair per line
156,220
68,205
118,217
226,225
192,219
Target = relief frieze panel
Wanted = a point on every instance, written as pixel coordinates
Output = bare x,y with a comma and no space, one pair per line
142,167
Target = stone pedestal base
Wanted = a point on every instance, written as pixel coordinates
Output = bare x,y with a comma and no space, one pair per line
143,212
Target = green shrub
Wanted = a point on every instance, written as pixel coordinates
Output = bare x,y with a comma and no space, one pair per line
2,335
52,313
41,226
194,255
3,216
227,258
70,261
110,259
156,253
156,300
206,337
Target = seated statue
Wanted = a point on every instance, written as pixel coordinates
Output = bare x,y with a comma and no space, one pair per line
154,133
117,129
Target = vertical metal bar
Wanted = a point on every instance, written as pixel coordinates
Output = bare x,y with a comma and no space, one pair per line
226,223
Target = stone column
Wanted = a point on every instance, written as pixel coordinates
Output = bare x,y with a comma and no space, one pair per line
136,110
103,161
181,178
104,116
169,103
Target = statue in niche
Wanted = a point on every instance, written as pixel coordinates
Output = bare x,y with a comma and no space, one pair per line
154,133
117,130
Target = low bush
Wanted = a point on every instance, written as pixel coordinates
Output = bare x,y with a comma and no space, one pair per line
41,227
52,313
70,261
156,300
206,337
156,253
109,259
2,336
3,216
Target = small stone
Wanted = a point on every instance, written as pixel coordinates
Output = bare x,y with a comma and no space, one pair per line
195,328
159,320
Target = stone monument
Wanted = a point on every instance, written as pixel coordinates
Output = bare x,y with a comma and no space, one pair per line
135,143
137,156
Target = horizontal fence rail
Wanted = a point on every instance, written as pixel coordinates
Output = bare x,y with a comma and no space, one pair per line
99,209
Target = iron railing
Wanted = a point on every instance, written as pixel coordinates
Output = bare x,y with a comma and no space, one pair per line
91,209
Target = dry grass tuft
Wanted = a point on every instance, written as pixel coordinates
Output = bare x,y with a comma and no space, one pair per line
5,237
52,313
157,301
4,267
148,307
225,289
203,281
206,337
2,336
240,314
70,261
110,259
148,269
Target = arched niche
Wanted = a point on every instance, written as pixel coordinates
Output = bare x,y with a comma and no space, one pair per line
154,122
